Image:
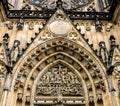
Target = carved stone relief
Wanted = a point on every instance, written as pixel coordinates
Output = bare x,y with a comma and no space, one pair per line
57,25
2,76
2,71
2,65
59,80
117,71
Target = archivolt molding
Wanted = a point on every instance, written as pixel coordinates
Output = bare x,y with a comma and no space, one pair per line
48,67
32,53
27,71
116,56
116,63
3,63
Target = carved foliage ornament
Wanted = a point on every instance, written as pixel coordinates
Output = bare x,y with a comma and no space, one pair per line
59,80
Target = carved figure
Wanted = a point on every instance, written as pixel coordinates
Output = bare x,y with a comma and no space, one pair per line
59,80
103,53
15,51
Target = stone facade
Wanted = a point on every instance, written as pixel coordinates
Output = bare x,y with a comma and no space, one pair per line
59,62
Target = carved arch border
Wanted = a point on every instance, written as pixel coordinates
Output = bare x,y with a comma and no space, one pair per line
51,65
59,44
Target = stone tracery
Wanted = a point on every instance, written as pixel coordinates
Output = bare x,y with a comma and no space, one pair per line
66,4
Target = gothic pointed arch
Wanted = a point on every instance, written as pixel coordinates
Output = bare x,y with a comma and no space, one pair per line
59,68
59,53
44,61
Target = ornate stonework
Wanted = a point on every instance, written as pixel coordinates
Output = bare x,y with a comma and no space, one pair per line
56,27
59,61
59,80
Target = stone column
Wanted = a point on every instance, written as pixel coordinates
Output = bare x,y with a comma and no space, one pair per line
6,90
4,98
112,92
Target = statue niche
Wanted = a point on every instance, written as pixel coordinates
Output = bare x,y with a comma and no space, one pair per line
59,80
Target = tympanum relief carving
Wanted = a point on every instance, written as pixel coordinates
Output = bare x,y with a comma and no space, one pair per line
59,80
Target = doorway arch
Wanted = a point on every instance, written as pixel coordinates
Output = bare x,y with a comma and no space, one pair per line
85,64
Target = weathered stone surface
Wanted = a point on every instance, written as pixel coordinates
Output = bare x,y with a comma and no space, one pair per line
59,65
